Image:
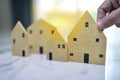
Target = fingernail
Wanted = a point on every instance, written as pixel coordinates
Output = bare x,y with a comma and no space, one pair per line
100,24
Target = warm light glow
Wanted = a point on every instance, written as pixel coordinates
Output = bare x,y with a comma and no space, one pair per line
89,4
64,21
46,5
64,14
68,5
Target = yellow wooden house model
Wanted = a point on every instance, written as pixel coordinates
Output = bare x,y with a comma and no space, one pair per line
85,43
19,40
44,38
57,47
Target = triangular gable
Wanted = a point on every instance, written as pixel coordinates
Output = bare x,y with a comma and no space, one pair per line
36,25
18,28
80,26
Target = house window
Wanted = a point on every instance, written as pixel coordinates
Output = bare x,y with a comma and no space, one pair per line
52,32
41,31
58,45
74,39
14,41
30,47
63,46
97,39
30,31
86,24
71,54
23,35
100,55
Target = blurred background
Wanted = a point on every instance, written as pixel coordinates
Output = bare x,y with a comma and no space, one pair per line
12,11
61,13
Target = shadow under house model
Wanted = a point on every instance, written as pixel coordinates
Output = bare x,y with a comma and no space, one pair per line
86,44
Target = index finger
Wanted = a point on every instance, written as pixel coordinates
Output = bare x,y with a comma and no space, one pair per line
104,9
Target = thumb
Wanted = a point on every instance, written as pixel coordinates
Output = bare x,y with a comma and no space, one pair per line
110,19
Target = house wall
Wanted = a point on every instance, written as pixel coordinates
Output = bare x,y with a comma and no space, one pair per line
41,32
90,46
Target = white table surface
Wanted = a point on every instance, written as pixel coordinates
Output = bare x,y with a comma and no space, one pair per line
36,67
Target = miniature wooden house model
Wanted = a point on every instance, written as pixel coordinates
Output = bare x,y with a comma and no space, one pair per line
19,40
86,44
57,47
44,38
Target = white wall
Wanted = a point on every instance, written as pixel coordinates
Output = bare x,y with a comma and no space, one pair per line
5,21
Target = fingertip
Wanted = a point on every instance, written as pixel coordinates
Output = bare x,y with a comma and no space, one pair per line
100,24
100,30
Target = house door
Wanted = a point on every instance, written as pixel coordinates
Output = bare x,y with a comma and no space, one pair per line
50,55
23,53
86,58
41,50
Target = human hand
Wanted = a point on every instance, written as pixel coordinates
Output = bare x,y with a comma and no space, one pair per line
109,14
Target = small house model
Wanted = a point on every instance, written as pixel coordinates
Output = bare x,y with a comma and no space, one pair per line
86,43
57,47
19,40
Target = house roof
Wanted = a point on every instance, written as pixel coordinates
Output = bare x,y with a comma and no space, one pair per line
18,27
44,22
84,18
40,22
86,15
